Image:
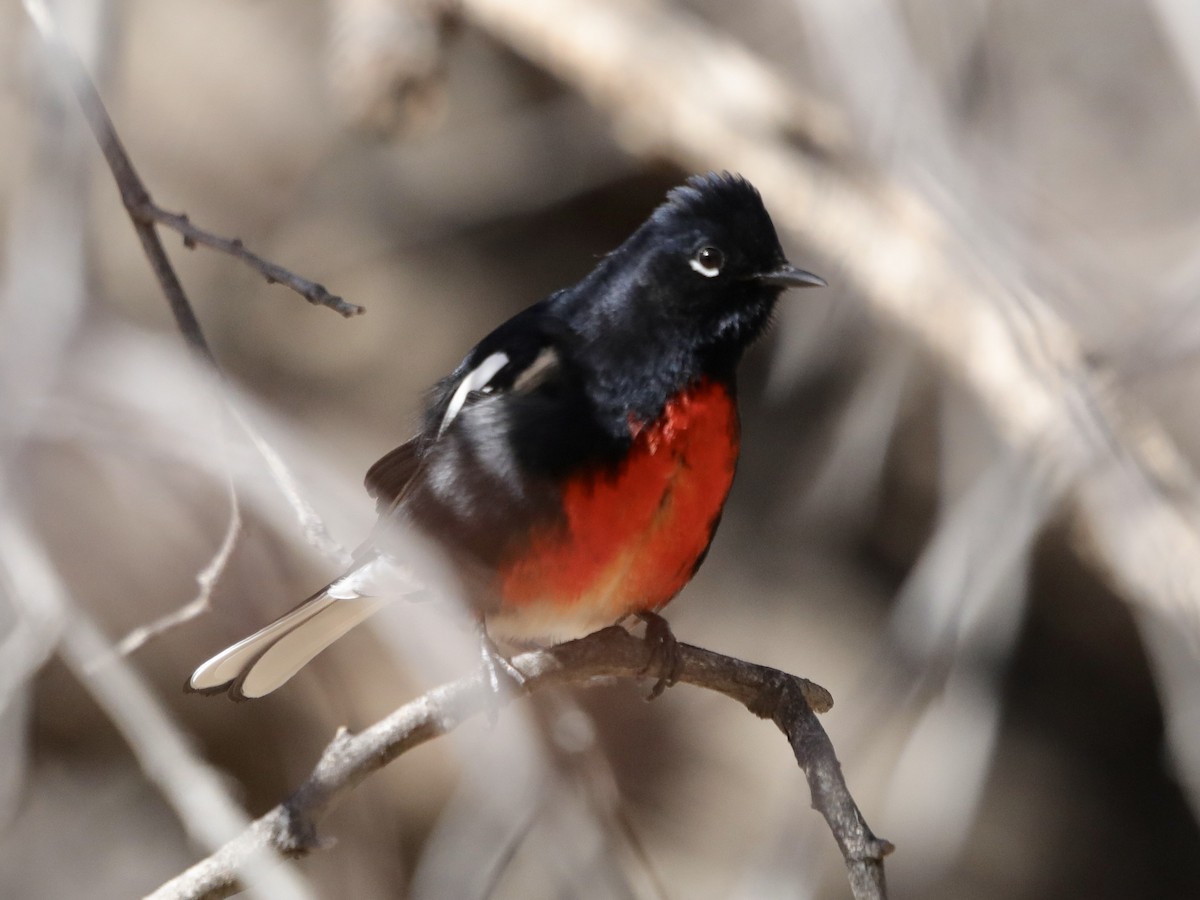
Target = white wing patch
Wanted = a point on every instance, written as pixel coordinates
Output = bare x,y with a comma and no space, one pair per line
474,380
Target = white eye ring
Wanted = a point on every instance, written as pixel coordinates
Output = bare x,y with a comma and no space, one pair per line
707,261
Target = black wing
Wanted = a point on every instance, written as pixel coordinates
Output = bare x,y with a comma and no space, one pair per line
501,434
391,475
518,356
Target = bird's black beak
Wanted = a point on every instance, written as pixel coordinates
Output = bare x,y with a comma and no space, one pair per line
788,276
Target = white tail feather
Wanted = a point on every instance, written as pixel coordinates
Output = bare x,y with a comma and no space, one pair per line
229,663
264,661
269,657
288,654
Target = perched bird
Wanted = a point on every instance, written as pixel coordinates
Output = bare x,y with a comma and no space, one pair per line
575,465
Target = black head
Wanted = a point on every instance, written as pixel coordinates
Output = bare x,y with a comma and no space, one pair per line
736,269
696,283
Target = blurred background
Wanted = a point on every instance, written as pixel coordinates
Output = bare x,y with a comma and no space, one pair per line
967,502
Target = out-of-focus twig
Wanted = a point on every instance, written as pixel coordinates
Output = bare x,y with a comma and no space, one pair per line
663,74
42,302
386,62
206,580
142,209
1179,23
143,213
789,701
192,788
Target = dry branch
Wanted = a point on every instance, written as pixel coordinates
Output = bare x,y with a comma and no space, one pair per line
314,293
193,788
789,701
143,213
206,580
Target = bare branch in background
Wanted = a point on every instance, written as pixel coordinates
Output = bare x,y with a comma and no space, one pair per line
316,294
790,702
1180,26
52,289
143,213
207,580
42,301
386,62
192,788
142,209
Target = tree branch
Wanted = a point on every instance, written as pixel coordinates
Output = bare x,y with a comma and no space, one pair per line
316,294
206,580
145,213
192,787
789,701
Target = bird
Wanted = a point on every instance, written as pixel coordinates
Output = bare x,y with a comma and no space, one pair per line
574,467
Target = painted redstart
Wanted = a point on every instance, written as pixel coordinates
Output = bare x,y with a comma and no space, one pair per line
575,464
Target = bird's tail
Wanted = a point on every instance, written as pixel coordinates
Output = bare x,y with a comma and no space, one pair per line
259,664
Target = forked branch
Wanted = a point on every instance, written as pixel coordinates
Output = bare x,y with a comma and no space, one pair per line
145,213
788,700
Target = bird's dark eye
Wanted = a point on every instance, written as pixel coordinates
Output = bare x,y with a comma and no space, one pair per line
707,261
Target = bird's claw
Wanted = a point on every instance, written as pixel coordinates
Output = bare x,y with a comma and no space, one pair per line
497,669
664,653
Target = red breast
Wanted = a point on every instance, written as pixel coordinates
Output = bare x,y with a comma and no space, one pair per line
631,538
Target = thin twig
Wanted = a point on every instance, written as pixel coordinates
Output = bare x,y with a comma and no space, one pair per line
192,788
143,213
133,191
316,294
791,702
206,580
311,523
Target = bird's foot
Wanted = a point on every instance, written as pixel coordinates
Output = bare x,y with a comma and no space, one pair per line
664,653
498,671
